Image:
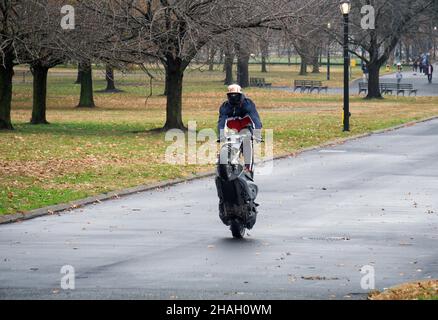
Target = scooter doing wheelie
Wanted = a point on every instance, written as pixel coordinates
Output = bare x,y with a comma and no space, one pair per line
235,176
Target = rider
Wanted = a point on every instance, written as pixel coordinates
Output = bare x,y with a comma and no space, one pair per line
238,105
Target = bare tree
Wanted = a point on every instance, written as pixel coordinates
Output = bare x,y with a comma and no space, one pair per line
11,12
110,80
174,31
393,19
309,53
86,99
26,36
38,48
264,38
243,45
229,62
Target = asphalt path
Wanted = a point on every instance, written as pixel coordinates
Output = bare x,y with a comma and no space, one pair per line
417,79
324,215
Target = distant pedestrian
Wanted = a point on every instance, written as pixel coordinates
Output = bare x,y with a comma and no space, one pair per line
399,66
415,66
399,77
429,70
425,63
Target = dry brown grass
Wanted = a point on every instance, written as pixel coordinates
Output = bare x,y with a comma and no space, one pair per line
421,290
85,152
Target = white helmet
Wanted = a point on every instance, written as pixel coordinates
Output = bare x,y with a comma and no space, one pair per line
234,88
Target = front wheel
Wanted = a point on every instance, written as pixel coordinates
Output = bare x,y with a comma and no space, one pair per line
237,229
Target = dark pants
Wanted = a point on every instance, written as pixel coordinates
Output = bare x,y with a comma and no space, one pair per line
429,77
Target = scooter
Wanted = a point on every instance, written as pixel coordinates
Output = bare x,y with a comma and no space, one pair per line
236,188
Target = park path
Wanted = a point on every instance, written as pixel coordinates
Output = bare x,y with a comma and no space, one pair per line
323,216
420,82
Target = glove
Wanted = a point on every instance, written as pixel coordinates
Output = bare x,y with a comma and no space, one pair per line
258,135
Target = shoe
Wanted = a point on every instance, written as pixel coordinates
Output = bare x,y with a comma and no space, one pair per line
249,173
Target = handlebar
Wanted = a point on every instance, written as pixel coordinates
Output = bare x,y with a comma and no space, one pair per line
251,130
256,139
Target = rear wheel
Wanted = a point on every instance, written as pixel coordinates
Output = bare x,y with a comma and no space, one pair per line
237,229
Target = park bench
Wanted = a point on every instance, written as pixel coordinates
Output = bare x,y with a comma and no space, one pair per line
303,85
389,88
363,87
317,85
259,82
409,87
309,85
386,88
298,84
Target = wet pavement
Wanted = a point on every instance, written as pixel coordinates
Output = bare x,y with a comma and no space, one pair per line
324,215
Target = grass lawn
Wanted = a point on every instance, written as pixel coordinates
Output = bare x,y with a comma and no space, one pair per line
85,152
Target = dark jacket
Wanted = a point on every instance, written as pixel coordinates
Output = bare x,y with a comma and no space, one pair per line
247,107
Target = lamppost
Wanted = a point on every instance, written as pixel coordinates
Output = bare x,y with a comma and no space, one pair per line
329,26
345,6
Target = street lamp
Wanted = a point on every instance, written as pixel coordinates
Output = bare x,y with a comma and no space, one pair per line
345,6
329,26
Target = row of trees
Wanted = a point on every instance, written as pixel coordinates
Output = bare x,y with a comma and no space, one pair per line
173,33
402,28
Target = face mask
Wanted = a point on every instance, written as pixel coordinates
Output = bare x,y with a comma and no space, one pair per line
234,99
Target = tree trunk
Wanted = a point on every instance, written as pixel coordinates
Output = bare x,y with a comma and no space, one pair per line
211,55
109,77
39,94
242,67
229,61
6,74
303,68
86,99
315,68
243,71
408,52
166,86
243,56
264,48
221,57
174,79
165,80
264,69
374,81
79,76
